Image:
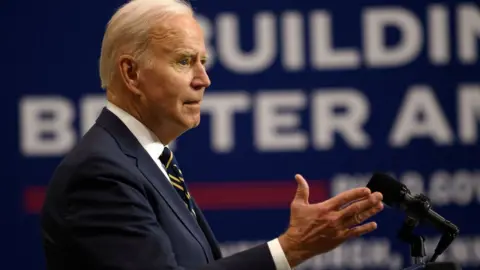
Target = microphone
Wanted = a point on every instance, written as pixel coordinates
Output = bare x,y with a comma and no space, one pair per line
418,207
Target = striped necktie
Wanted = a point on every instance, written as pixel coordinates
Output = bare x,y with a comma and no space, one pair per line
176,178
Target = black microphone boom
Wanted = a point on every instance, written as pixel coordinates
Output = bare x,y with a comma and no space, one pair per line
417,208
397,195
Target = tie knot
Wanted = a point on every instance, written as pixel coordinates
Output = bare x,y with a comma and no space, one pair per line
166,157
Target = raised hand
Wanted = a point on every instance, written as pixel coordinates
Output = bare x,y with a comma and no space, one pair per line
318,228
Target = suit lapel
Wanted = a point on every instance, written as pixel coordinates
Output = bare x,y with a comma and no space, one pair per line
165,189
131,147
202,222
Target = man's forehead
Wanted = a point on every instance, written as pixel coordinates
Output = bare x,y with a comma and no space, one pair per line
180,34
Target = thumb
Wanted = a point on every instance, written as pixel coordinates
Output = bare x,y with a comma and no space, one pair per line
302,192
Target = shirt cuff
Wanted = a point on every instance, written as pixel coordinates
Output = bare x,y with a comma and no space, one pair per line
279,258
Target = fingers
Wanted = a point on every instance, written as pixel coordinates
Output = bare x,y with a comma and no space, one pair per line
362,229
360,217
346,197
362,205
302,192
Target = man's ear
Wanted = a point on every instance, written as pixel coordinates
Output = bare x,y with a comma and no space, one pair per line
129,72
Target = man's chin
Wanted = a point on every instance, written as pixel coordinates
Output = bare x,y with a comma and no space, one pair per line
192,123
196,123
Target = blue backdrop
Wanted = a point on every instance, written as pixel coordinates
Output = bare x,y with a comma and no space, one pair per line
333,89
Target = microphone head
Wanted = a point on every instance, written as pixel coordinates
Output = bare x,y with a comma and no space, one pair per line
393,191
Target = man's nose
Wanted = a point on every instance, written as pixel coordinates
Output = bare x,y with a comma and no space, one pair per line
201,79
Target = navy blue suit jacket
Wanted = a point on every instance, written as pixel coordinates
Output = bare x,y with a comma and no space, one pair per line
109,207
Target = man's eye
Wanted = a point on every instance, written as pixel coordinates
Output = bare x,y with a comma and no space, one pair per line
185,62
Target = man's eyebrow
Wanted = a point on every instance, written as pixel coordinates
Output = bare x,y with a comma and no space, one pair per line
189,53
184,51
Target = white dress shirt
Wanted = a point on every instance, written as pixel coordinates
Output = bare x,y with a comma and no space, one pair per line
155,148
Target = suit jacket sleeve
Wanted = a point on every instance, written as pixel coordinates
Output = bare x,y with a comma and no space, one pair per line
112,226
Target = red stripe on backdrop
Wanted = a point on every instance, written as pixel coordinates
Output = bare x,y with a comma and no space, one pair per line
33,197
221,196
252,195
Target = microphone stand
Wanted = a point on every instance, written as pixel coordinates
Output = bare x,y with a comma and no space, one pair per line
416,242
417,248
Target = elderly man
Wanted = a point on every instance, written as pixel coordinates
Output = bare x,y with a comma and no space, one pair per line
119,200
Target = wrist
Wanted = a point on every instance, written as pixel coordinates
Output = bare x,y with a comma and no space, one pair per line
293,252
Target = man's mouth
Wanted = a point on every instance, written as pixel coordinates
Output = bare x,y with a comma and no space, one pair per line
192,102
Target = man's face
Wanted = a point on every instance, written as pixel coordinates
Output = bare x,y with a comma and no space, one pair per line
174,85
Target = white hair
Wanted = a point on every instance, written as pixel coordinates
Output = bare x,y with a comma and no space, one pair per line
129,28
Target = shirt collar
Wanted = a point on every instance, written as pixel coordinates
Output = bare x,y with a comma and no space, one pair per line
144,135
